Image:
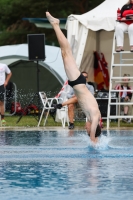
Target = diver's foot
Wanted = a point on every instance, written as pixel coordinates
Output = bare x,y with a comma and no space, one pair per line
51,19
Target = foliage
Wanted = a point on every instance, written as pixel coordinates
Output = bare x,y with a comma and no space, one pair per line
13,11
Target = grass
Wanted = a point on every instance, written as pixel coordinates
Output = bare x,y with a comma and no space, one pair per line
31,121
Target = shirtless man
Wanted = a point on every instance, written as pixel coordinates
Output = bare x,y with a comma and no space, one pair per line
72,100
76,80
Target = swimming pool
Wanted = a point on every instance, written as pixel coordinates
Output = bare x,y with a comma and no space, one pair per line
63,164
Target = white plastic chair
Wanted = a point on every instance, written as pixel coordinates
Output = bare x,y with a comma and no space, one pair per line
47,105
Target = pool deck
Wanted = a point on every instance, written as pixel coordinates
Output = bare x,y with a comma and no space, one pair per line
54,128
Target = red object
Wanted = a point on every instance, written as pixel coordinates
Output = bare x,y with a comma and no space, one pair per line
98,75
32,108
65,84
18,108
118,14
125,13
101,74
104,70
119,87
27,110
101,123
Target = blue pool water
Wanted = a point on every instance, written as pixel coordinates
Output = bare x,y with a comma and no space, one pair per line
62,165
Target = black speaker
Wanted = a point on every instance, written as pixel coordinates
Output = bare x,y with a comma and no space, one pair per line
36,46
103,106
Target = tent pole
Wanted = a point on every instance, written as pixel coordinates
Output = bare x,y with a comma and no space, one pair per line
97,41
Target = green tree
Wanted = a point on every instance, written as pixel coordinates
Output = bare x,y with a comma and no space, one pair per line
13,11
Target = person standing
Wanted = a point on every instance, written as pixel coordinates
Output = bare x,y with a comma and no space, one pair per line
5,75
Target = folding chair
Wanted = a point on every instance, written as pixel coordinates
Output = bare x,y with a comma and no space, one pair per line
47,105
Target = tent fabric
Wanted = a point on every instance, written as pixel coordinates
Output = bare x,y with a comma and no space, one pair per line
53,61
93,31
101,17
74,32
27,77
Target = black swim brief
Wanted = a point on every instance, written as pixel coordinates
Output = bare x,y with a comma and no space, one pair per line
80,80
2,93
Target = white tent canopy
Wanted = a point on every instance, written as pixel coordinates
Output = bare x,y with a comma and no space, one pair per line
53,61
93,31
101,17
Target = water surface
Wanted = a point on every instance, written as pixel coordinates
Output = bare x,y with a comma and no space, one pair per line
64,164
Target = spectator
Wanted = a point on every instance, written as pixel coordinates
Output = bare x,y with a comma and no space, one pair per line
5,75
125,96
125,24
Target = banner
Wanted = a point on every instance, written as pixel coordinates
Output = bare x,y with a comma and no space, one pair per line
101,74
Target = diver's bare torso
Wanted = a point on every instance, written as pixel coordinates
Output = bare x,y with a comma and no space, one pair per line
87,102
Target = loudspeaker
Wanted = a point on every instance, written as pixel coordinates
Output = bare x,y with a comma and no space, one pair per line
103,106
36,46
